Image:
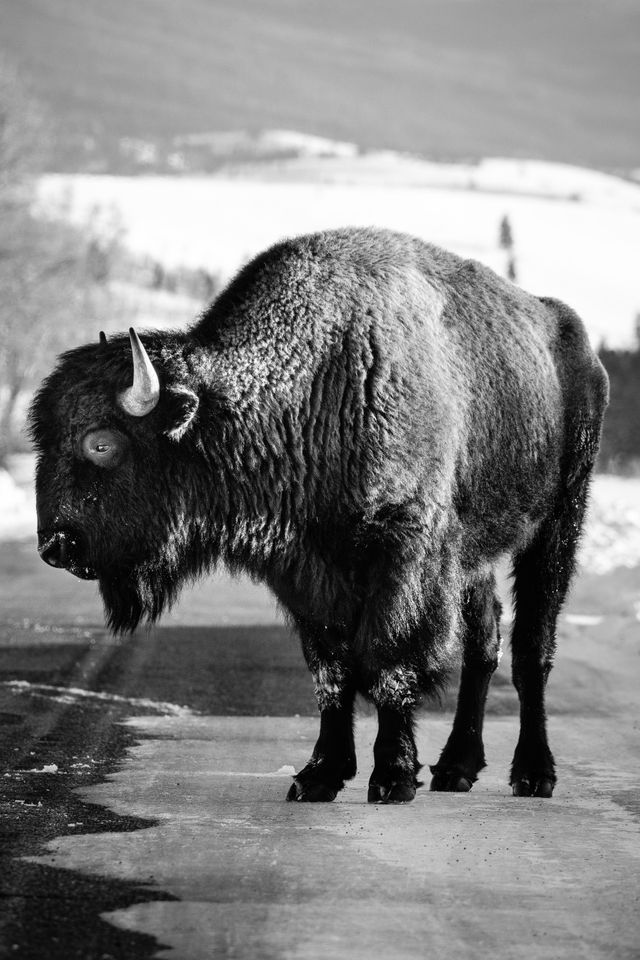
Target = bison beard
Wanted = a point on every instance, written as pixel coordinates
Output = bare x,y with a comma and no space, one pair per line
140,593
366,424
143,591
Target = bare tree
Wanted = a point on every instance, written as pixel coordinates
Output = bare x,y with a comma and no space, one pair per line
53,277
25,137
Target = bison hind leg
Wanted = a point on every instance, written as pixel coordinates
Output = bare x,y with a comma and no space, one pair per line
463,755
542,575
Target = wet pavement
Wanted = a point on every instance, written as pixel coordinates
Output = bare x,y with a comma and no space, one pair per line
143,809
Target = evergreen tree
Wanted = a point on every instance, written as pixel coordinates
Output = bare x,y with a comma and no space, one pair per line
506,234
620,447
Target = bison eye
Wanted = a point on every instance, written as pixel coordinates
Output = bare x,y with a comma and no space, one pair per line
105,448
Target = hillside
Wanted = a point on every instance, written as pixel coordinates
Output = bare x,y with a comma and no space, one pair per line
449,79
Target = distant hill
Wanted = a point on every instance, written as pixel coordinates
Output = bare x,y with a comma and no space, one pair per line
449,79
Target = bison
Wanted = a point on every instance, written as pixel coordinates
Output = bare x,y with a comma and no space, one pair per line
366,423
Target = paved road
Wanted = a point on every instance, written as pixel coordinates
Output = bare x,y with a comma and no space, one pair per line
143,811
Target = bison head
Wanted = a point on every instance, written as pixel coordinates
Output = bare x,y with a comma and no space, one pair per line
115,433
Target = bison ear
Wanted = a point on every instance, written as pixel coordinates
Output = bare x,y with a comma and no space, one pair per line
179,407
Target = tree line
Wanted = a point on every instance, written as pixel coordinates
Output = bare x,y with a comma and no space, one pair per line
620,447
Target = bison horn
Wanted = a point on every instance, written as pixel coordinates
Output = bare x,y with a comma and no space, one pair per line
143,395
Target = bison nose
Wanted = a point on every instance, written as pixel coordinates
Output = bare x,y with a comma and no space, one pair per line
57,550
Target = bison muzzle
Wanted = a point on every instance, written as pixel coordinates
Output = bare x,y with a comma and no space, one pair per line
367,424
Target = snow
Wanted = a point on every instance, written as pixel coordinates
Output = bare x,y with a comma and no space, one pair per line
612,531
304,144
71,695
226,144
160,309
583,619
576,232
17,509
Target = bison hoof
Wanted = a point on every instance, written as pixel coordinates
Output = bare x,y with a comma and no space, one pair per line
536,788
394,793
311,792
450,782
320,781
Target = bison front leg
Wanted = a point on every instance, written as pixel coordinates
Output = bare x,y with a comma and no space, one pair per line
394,777
333,760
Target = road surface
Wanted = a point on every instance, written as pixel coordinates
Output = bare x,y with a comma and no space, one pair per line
143,795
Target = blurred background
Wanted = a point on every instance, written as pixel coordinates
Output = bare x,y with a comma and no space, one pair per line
148,149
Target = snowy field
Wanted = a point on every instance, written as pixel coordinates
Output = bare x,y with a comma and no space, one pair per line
612,536
576,232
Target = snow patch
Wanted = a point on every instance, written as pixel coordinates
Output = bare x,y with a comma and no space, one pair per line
285,771
17,509
583,619
612,531
306,145
71,695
